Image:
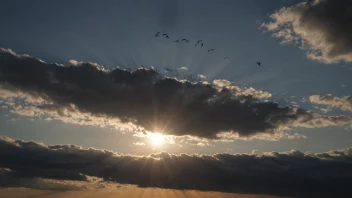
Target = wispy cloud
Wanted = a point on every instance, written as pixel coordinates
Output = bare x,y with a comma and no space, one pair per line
139,143
324,174
344,103
183,68
321,27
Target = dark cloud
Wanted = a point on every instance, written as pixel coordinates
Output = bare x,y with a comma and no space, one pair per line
146,99
51,181
289,174
9,178
322,27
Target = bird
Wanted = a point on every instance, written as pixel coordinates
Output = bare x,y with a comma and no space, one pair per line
166,36
259,63
157,34
186,40
196,44
210,50
183,39
226,57
177,41
199,41
202,45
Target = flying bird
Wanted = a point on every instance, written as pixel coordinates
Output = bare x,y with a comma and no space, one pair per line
202,45
177,41
259,63
157,34
210,50
187,41
183,39
196,44
166,36
199,41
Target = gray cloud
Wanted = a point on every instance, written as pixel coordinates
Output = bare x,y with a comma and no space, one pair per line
10,178
344,103
288,173
322,27
86,93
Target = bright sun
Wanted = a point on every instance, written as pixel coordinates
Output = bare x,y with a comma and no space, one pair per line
157,138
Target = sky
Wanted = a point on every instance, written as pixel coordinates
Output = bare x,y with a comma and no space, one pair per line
91,92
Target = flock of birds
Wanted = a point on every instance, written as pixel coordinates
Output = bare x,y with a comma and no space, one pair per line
199,43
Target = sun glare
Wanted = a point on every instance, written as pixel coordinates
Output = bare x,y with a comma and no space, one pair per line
157,138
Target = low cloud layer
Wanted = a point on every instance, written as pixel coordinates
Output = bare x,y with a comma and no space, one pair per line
86,93
344,103
321,27
289,173
10,178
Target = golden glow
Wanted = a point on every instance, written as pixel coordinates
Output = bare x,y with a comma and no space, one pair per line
156,138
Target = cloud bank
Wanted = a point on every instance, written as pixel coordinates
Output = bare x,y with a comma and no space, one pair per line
321,27
288,173
143,100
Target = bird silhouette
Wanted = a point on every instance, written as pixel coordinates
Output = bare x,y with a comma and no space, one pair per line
199,41
259,63
157,34
183,39
196,44
177,41
202,45
210,50
166,36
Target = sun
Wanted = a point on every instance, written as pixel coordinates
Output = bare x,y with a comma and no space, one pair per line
157,138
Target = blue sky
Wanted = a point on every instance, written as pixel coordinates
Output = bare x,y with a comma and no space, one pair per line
121,33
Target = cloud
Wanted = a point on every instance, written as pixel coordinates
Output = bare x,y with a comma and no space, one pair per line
183,68
290,173
279,135
258,94
139,143
143,100
201,77
10,178
321,27
344,103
